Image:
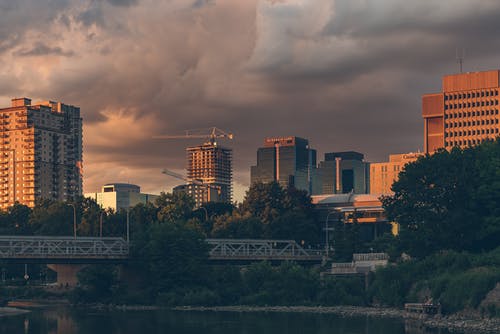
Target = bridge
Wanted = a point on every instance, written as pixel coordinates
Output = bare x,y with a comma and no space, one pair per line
44,249
260,250
68,255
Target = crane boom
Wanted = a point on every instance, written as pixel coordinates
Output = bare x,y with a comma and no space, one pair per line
192,181
214,133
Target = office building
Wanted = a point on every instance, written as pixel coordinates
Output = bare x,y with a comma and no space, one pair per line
119,196
40,152
287,160
384,174
465,113
341,173
209,169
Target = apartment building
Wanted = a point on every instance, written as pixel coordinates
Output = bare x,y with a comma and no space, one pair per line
40,152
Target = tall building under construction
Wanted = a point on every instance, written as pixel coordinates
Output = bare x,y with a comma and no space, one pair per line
209,167
40,152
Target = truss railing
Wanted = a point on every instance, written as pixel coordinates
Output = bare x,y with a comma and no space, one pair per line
42,247
256,249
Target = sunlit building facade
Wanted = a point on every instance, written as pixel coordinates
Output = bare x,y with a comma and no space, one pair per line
384,174
118,196
465,113
209,173
40,152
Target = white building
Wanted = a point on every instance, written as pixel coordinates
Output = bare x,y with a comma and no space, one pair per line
121,196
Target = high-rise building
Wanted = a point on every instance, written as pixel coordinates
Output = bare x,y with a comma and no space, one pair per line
342,173
465,113
210,165
118,196
40,152
287,160
384,174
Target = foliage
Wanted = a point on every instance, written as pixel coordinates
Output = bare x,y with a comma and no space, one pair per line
449,200
98,283
174,207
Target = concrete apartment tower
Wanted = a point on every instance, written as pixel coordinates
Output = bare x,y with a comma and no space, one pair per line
465,113
211,166
40,152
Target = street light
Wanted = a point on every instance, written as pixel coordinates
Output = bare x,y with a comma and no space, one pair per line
74,219
326,232
206,212
128,224
100,223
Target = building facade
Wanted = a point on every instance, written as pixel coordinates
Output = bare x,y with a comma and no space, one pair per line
118,196
209,173
465,113
384,174
342,173
286,160
40,152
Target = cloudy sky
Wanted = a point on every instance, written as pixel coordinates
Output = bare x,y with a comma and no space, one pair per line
346,74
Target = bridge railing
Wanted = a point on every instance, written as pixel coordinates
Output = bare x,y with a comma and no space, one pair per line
42,247
257,249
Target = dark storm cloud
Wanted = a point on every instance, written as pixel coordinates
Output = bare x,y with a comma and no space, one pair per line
40,49
347,74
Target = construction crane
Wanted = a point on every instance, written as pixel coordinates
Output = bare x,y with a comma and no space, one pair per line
212,136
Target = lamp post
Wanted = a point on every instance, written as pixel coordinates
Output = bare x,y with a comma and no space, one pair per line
327,246
74,219
206,212
128,224
100,223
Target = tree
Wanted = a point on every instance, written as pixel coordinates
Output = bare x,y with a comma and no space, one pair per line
265,201
238,226
176,256
449,200
19,215
174,207
52,218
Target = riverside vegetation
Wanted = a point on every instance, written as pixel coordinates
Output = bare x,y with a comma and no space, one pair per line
447,205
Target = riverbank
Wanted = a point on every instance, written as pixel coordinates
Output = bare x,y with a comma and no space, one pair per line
452,323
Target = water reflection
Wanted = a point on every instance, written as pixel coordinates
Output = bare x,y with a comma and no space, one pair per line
85,321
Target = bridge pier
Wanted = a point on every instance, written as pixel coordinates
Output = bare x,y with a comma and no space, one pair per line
66,273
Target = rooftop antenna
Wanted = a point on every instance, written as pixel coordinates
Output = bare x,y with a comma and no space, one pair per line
460,59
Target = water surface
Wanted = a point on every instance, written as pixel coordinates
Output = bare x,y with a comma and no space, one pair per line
84,321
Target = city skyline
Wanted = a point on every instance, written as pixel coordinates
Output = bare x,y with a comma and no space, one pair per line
347,75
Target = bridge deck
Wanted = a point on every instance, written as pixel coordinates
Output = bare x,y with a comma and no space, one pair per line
258,249
67,248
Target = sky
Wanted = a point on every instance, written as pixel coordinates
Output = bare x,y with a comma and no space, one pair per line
345,74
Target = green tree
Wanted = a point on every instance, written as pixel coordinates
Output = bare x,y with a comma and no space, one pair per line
52,218
238,226
449,200
174,207
19,216
175,255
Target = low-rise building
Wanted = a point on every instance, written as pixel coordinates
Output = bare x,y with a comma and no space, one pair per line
384,174
119,196
363,209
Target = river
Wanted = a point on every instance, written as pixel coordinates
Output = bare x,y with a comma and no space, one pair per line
84,321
